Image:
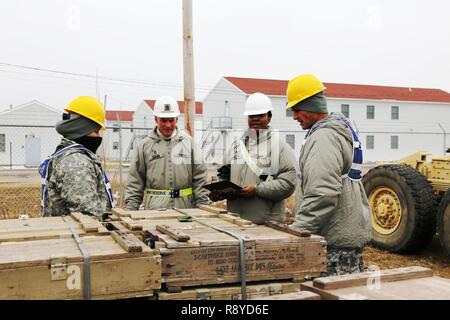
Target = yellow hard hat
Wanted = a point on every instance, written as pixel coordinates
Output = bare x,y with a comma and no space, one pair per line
301,88
88,107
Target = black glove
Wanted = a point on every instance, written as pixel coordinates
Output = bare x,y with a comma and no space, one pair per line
224,172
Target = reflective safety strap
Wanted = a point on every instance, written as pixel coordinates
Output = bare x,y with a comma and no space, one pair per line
108,189
248,160
355,172
43,172
173,193
241,252
86,260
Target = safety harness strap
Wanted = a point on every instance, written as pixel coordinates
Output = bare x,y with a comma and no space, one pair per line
172,193
43,172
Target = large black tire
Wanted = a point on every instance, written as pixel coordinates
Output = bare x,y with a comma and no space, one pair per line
416,225
444,222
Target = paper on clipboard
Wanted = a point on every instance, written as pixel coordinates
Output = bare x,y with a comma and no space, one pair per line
224,185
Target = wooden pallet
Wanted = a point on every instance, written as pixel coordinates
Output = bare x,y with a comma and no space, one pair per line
121,266
195,254
49,228
410,283
232,292
297,295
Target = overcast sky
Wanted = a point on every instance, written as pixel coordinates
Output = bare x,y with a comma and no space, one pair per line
396,43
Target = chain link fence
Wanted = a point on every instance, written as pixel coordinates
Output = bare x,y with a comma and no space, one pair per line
23,148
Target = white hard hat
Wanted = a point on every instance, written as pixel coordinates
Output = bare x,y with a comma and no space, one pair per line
166,107
257,103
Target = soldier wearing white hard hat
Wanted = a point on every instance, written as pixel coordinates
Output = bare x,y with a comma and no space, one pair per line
262,164
166,165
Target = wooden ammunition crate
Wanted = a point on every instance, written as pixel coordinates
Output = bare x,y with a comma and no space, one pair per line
232,292
410,283
196,254
49,228
41,260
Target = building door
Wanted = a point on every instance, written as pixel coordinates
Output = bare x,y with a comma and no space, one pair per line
32,150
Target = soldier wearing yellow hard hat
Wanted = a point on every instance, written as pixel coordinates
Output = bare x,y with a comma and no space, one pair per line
72,177
331,199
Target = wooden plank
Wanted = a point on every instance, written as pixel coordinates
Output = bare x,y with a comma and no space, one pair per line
131,224
212,209
47,228
282,227
88,223
299,295
127,241
174,234
358,279
121,212
429,288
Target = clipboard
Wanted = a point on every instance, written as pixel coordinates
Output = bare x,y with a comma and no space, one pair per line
224,185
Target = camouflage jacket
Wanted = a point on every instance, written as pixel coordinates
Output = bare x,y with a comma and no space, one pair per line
75,184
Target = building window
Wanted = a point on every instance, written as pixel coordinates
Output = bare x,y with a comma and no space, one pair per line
289,111
115,145
290,140
345,110
2,142
370,112
370,142
394,142
394,113
226,109
115,127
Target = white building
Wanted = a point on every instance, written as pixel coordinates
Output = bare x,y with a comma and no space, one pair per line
27,134
392,121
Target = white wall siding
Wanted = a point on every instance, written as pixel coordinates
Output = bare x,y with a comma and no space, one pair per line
420,125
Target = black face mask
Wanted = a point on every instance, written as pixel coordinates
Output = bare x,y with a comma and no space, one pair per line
91,143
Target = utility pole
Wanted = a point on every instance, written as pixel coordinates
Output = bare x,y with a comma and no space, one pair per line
445,138
188,64
121,193
104,142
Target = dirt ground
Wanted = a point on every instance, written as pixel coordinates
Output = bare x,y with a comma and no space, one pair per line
432,257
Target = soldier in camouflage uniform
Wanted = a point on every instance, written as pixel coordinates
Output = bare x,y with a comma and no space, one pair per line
73,179
332,201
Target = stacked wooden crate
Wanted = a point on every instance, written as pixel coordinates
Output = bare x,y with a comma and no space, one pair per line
40,259
232,291
204,250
